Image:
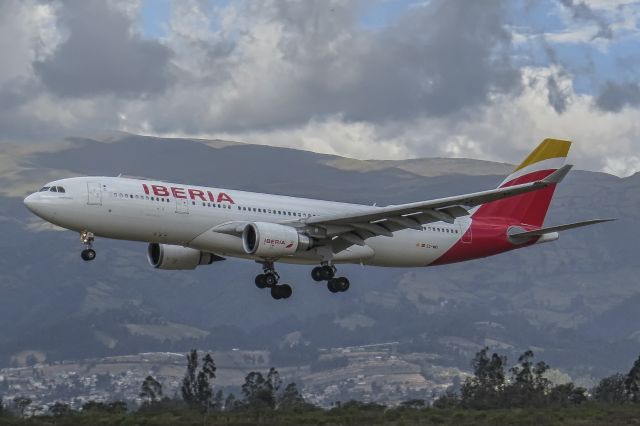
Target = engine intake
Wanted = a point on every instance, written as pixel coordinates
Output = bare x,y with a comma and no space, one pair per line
273,240
165,256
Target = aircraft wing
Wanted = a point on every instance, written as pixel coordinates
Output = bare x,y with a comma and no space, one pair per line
354,228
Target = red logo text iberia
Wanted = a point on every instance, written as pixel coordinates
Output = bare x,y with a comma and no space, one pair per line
193,194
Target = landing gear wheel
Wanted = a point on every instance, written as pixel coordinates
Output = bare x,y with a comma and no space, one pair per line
270,280
275,293
88,254
261,281
332,285
327,272
342,283
285,291
317,273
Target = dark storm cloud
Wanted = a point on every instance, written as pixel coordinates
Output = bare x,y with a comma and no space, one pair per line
435,60
615,96
581,11
102,55
556,97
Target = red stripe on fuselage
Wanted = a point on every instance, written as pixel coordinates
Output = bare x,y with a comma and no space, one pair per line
488,237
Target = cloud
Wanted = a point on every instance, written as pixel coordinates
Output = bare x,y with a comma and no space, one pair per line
102,55
615,96
439,78
283,63
580,10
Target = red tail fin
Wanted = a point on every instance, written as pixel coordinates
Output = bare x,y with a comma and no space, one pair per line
530,208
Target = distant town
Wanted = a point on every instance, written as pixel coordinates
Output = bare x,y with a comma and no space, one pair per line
369,373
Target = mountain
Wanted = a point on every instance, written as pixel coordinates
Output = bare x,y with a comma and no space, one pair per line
573,301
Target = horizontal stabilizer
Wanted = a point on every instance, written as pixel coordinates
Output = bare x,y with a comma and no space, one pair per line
519,236
558,175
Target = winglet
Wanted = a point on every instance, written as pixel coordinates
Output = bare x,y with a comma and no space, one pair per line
558,175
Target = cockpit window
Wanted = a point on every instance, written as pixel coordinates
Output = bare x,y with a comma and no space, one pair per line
61,189
44,188
53,189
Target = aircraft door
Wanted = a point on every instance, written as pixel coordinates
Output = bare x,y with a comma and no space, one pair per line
465,230
182,205
94,192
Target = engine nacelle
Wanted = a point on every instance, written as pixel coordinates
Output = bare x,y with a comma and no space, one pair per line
165,256
271,240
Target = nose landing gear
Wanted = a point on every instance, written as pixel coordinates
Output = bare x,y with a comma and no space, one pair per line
87,239
269,279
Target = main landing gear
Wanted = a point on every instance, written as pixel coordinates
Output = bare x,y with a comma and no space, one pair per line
87,239
327,273
269,279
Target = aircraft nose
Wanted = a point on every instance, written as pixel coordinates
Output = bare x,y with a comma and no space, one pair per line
31,201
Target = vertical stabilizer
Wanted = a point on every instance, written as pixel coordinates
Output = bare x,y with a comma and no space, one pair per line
530,208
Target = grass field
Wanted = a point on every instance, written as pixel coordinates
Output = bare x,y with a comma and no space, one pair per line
585,415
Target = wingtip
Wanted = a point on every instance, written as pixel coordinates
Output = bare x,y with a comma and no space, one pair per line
558,175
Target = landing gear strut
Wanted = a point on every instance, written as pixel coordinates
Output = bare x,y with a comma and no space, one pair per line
87,239
269,279
327,273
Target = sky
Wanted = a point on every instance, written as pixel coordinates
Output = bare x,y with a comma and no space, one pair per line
375,79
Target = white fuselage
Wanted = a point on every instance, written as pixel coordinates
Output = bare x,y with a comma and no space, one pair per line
167,213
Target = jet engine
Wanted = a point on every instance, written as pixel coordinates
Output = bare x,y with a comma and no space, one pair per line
165,256
271,240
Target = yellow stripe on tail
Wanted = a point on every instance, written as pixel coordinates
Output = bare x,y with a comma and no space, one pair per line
548,148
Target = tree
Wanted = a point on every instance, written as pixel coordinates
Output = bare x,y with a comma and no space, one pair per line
413,404
632,382
21,403
611,390
291,398
196,388
260,393
484,389
1,407
528,385
450,400
218,401
204,389
151,390
188,388
566,394
273,381
230,403
60,409
115,407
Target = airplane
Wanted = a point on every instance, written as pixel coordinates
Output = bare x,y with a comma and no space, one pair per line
186,226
